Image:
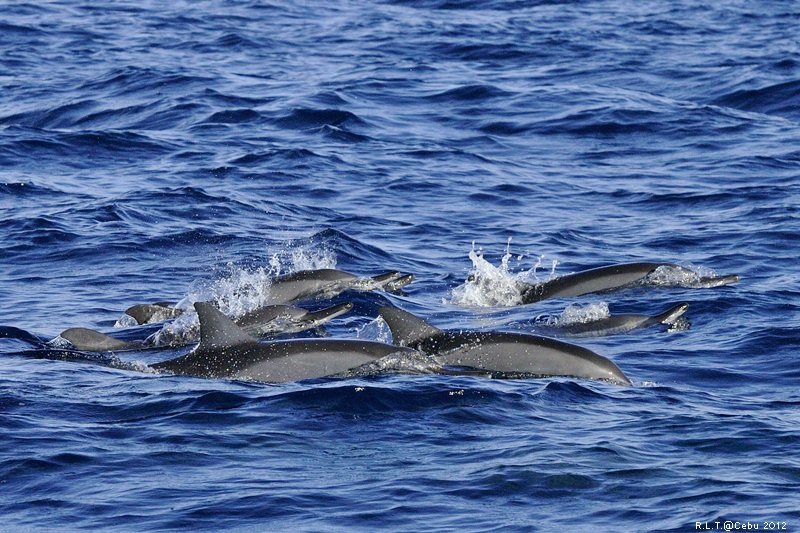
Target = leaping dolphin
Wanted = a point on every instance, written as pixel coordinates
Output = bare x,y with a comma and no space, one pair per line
273,319
285,289
507,354
226,351
615,324
325,282
613,277
265,321
152,313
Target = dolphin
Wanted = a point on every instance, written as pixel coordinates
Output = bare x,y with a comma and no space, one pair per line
89,340
500,353
152,313
613,277
226,351
285,289
615,324
324,282
396,286
274,319
265,321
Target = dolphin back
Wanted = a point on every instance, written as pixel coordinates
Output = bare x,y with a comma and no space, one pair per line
512,355
88,340
589,281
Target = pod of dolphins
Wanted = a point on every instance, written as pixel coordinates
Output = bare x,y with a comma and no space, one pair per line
229,347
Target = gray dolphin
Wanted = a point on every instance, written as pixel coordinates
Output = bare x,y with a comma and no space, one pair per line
89,340
273,319
507,354
152,313
325,282
265,321
615,324
226,351
616,277
396,286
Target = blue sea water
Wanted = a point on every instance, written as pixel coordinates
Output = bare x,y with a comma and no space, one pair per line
176,151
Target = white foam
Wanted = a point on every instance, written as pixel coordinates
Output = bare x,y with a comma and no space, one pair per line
491,286
60,343
671,276
241,290
375,330
135,366
125,321
245,289
399,362
681,324
583,314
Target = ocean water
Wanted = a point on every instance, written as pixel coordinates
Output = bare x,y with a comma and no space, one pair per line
178,151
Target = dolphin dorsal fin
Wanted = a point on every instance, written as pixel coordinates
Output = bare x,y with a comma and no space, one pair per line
217,330
406,328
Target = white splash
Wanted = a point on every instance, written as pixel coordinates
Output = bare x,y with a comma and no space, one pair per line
489,285
125,321
375,330
671,276
241,290
583,314
681,324
397,363
135,366
246,289
59,342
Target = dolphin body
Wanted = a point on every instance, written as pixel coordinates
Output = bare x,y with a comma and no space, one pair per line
326,282
152,313
89,340
615,324
501,353
264,321
614,277
226,351
274,319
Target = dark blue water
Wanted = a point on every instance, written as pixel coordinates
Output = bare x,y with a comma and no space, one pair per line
184,150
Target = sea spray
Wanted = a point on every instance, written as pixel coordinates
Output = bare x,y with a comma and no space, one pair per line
488,285
240,290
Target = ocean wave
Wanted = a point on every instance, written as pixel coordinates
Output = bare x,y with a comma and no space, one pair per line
305,119
781,99
173,152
